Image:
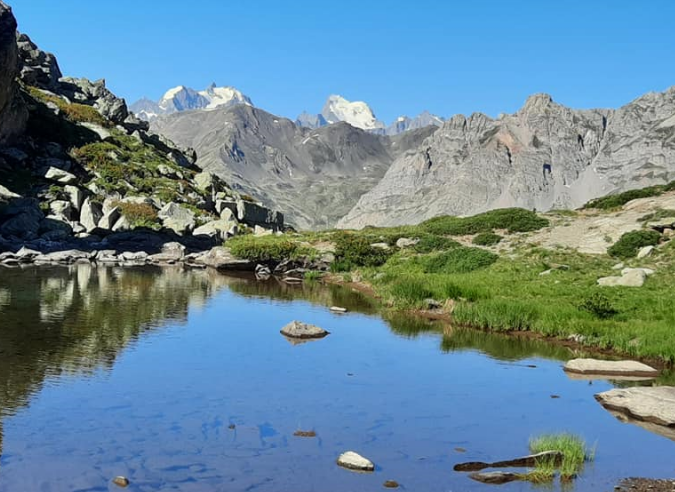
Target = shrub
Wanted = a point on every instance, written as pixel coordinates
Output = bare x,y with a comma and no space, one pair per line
511,219
430,242
138,214
630,243
486,239
620,199
598,305
262,248
459,260
352,250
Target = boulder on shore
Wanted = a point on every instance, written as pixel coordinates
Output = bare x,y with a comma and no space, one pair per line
626,368
655,404
297,329
354,461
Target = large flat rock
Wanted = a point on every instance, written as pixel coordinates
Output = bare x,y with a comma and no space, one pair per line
626,368
650,404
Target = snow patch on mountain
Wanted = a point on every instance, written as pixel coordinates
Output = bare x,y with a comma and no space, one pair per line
357,113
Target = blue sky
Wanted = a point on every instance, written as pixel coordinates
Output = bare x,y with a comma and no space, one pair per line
401,57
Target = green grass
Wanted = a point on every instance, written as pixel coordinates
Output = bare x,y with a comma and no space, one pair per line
574,450
511,219
458,260
630,243
76,113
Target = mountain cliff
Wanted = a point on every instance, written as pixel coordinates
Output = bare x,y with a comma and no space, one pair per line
543,157
314,175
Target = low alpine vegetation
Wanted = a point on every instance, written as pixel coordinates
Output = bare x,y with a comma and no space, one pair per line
511,219
630,243
486,239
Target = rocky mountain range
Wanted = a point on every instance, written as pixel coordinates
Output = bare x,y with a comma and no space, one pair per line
314,175
360,115
545,156
183,98
79,171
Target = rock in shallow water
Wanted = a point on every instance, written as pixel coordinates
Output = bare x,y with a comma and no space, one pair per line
121,481
354,461
650,404
495,477
297,329
610,368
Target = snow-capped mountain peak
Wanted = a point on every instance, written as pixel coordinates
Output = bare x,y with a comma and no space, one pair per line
357,113
184,98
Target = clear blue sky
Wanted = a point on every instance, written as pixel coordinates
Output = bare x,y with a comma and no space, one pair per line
399,56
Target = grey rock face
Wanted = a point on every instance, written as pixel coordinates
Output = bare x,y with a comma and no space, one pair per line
95,94
314,176
13,114
179,219
545,156
311,120
40,68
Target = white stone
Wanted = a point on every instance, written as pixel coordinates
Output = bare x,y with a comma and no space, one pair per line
355,461
645,252
654,404
610,367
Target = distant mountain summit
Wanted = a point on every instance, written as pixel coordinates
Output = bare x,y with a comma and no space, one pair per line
183,98
360,115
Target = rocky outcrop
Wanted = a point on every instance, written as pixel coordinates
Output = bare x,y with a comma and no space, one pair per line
40,69
545,156
12,112
90,172
314,175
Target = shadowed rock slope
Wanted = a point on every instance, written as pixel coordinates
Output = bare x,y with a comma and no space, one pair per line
543,157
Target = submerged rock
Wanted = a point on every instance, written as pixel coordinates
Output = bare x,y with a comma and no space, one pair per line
391,484
523,461
495,477
610,368
649,404
297,329
354,461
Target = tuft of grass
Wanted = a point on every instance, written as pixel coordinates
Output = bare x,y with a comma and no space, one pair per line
573,448
598,305
630,243
486,239
511,219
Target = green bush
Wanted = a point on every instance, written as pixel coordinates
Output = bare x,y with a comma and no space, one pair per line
262,248
352,250
620,199
511,219
459,260
430,242
598,305
487,239
630,243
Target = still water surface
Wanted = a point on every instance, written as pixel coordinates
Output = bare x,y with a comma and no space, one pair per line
143,372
